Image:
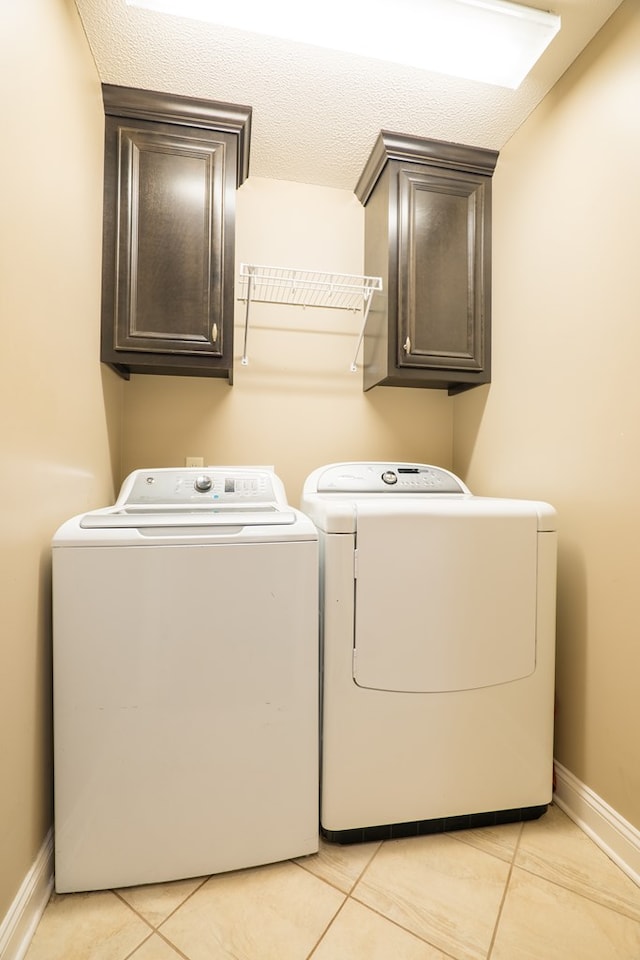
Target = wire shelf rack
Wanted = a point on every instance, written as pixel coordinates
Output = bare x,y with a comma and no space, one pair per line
306,288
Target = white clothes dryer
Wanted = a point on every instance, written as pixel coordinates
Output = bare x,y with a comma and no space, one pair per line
438,644
185,647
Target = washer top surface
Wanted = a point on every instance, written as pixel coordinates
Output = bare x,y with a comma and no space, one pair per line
196,496
191,502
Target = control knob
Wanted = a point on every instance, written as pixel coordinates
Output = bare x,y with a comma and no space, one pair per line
203,483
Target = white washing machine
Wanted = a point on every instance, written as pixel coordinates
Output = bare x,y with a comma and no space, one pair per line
185,646
438,639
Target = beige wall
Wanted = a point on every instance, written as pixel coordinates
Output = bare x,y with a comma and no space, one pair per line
561,420
296,405
59,411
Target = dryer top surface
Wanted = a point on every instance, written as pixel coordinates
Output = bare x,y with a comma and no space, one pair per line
334,496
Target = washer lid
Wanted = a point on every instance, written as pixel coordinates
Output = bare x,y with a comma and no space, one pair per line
206,497
170,515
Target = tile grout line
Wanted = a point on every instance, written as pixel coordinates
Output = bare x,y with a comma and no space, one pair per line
140,917
366,867
504,893
417,936
334,886
156,929
391,920
133,910
584,895
347,896
129,956
160,884
328,927
400,926
171,944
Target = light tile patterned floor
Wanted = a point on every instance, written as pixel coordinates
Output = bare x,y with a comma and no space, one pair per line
535,891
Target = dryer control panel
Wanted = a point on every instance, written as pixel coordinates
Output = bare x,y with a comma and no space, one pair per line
381,477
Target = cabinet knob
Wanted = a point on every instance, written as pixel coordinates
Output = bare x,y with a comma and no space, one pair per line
407,345
214,332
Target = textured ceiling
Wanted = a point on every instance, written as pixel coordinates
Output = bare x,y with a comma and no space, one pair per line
317,113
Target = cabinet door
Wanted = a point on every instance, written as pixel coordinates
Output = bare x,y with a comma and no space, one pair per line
168,241
442,287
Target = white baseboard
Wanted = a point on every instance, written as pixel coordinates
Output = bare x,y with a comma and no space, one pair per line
19,925
614,835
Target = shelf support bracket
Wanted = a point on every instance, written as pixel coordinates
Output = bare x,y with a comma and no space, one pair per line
368,297
245,358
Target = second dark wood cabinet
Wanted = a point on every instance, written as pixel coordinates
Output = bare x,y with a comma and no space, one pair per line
428,235
172,166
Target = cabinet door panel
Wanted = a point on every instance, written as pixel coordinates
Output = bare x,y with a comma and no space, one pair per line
441,295
172,166
170,209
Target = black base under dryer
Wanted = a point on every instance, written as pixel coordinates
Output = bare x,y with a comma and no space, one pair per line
417,828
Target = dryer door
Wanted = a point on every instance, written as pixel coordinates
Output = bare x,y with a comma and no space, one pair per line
445,594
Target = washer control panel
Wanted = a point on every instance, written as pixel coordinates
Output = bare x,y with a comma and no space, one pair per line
242,487
380,477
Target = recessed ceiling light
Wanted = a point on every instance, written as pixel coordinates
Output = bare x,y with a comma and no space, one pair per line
493,41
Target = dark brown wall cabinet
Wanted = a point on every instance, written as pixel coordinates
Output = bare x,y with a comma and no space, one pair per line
172,166
428,235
